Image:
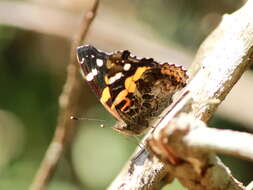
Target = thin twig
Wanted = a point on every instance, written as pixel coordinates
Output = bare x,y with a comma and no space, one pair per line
220,141
68,104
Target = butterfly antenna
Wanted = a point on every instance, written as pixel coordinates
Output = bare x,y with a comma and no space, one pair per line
89,119
84,118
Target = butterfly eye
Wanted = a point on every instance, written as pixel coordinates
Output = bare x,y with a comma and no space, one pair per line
125,55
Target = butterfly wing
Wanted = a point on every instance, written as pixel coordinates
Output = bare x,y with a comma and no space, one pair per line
132,89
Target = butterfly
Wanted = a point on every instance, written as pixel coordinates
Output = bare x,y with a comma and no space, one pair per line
134,90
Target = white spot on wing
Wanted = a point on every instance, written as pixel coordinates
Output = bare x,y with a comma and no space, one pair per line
118,75
115,77
111,80
99,62
89,76
127,66
81,61
94,72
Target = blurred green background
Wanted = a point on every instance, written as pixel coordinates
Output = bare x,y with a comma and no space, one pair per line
35,40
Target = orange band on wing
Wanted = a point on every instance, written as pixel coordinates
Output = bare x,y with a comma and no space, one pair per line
130,84
104,98
121,96
130,81
130,87
105,95
139,72
106,80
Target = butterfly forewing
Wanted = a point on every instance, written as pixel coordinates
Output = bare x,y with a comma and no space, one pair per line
93,68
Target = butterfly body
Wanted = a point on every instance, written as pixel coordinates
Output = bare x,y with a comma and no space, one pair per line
135,90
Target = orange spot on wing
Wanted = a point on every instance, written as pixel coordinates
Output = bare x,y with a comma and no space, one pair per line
128,102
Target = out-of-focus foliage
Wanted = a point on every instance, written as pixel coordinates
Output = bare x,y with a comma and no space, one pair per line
32,72
99,147
186,22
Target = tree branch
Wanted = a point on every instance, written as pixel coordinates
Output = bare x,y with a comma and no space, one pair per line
188,139
250,186
68,104
219,63
217,140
